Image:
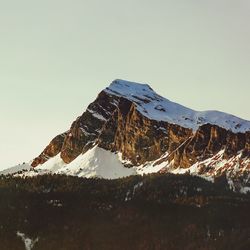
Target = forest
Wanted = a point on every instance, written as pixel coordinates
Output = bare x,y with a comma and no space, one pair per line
158,211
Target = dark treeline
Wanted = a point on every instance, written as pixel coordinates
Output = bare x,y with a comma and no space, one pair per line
137,213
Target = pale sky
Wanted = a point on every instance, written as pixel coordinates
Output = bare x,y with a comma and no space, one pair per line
57,55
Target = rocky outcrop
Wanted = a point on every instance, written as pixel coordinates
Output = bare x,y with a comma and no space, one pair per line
207,141
83,132
138,138
54,148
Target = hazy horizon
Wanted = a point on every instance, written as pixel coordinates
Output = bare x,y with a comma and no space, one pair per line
58,55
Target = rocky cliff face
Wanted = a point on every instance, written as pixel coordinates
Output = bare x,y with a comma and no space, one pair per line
83,133
54,148
207,141
137,137
144,127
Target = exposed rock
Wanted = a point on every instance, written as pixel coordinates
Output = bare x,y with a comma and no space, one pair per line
140,139
51,150
208,141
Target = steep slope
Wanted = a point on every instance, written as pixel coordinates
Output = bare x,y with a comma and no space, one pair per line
151,134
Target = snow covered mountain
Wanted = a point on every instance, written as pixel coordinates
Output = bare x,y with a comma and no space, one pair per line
158,108
130,129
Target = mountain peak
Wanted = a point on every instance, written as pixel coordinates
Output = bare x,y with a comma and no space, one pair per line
129,84
128,88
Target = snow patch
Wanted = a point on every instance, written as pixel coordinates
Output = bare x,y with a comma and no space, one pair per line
245,190
55,203
52,165
97,162
16,169
96,115
28,243
153,166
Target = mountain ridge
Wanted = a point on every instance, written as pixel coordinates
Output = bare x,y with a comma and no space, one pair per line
135,92
147,133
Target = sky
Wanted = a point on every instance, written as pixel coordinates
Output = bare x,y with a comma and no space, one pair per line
57,55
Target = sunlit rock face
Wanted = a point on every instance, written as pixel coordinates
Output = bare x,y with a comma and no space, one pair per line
144,128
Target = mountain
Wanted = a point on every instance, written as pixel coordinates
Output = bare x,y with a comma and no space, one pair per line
129,129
